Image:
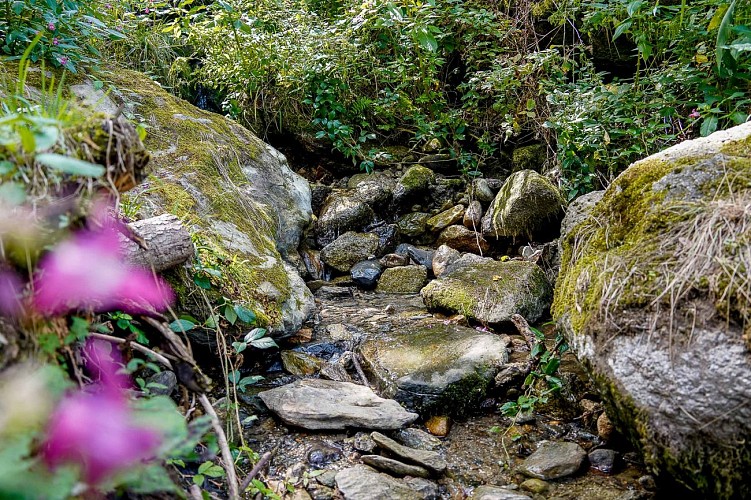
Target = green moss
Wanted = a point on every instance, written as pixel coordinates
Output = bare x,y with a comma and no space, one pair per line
530,157
417,178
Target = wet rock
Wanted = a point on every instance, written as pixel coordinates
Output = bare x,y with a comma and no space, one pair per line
444,257
413,225
394,260
527,205
394,467
405,279
446,218
496,493
536,486
349,249
364,443
341,214
413,184
325,404
604,427
428,489
445,192
364,483
319,193
481,191
334,292
334,370
603,460
366,273
313,264
375,189
463,239
388,237
491,291
321,454
473,216
511,376
165,381
435,366
428,459
320,492
415,438
553,460
418,255
439,425
300,364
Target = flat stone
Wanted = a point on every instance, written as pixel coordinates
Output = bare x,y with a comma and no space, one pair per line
415,438
428,459
428,489
446,218
349,249
394,467
496,493
431,367
554,460
326,404
363,483
404,279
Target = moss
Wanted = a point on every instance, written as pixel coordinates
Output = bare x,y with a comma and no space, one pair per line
417,178
405,279
530,157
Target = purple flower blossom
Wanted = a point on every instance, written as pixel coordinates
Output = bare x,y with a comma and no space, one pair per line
51,26
63,60
10,293
694,114
55,41
96,430
87,272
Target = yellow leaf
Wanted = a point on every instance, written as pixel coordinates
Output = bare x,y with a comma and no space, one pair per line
701,59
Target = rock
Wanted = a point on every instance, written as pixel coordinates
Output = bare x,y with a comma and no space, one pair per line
415,438
428,489
366,273
553,460
313,265
444,257
328,478
334,370
394,467
413,184
319,193
531,157
669,348
491,292
604,427
243,201
464,240
394,260
413,225
324,404
334,292
439,425
300,364
466,260
363,483
418,255
364,443
349,249
527,205
428,459
374,189
480,190
445,192
339,215
579,210
536,486
496,493
444,219
320,492
405,279
473,216
603,460
165,381
435,366
388,237
321,454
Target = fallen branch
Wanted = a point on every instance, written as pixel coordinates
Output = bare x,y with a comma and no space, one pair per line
135,346
255,470
221,437
158,243
359,370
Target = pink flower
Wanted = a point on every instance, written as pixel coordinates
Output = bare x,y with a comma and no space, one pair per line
146,10
10,293
63,60
51,26
694,114
87,272
55,41
97,430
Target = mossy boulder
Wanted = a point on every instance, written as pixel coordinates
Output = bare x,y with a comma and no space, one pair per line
242,202
342,212
530,157
653,295
490,291
349,249
527,205
403,279
413,226
434,368
375,189
414,182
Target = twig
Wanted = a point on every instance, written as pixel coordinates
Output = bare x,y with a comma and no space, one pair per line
359,371
255,470
195,492
135,346
229,463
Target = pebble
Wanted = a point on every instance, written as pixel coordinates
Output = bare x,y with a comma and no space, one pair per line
364,443
496,493
439,425
603,460
321,454
535,485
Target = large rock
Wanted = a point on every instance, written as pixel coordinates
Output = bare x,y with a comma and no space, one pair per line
491,291
444,256
349,249
324,404
527,205
374,189
653,295
414,183
341,213
404,279
463,239
242,202
363,483
414,226
435,367
446,218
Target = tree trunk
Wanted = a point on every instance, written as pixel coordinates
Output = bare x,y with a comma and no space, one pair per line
165,243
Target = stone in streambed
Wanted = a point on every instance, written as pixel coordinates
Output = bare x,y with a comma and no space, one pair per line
364,483
340,214
394,260
486,492
324,404
443,258
491,291
603,460
428,459
418,255
473,216
413,226
413,184
349,249
439,425
464,240
365,274
405,279
300,364
394,467
553,460
446,218
415,438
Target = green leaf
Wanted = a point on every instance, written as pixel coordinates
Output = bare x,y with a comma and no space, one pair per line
245,314
427,40
264,343
12,193
634,7
230,314
239,346
181,325
202,281
198,479
621,29
721,52
6,167
709,125
255,334
70,165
